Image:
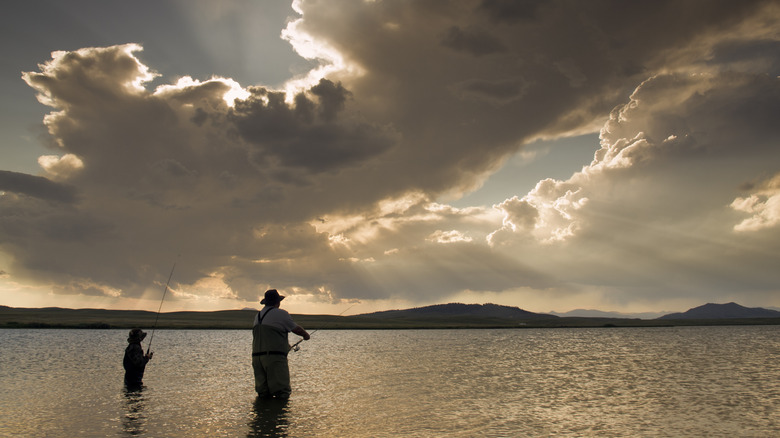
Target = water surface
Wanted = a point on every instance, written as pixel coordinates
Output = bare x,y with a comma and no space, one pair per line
680,381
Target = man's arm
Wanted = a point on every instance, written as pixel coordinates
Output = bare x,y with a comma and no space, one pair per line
298,330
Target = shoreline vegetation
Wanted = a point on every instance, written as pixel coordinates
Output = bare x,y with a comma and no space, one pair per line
59,318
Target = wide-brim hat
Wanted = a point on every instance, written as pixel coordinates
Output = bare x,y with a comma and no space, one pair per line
136,335
271,297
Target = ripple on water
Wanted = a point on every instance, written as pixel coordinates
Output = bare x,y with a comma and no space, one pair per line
686,381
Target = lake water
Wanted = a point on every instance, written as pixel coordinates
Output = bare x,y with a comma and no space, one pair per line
611,382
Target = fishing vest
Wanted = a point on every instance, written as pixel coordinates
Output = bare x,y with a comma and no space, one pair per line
267,339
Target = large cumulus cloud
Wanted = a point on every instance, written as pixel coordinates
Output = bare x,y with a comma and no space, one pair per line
657,204
328,188
180,170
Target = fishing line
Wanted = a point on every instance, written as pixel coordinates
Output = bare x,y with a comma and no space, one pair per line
295,347
149,347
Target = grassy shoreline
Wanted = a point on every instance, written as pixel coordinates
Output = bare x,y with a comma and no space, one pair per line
57,318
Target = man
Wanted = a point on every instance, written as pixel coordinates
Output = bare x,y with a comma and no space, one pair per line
135,360
270,347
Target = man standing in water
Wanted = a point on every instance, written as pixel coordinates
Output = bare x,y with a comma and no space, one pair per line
270,347
135,360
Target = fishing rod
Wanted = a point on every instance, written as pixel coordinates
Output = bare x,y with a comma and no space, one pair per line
295,347
149,347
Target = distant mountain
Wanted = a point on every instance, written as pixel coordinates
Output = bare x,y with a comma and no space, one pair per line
723,311
590,313
460,310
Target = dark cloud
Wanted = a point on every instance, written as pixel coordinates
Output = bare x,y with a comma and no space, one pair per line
476,42
498,92
460,116
510,11
36,186
307,134
761,53
331,98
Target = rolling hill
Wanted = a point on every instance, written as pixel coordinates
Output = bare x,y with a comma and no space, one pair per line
723,311
460,310
440,316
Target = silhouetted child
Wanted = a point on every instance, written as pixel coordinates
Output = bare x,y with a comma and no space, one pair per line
135,360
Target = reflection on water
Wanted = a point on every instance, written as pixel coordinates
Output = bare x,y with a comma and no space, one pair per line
134,418
269,418
678,381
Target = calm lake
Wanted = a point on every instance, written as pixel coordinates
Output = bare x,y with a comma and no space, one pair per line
612,382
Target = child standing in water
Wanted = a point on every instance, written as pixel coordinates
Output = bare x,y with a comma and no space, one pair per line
135,360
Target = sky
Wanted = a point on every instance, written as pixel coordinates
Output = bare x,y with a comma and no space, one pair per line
373,155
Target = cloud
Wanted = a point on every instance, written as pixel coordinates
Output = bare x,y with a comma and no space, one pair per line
476,42
654,202
451,236
307,135
36,186
675,131
763,204
499,92
330,188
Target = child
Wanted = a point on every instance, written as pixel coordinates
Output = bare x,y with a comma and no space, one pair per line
135,360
